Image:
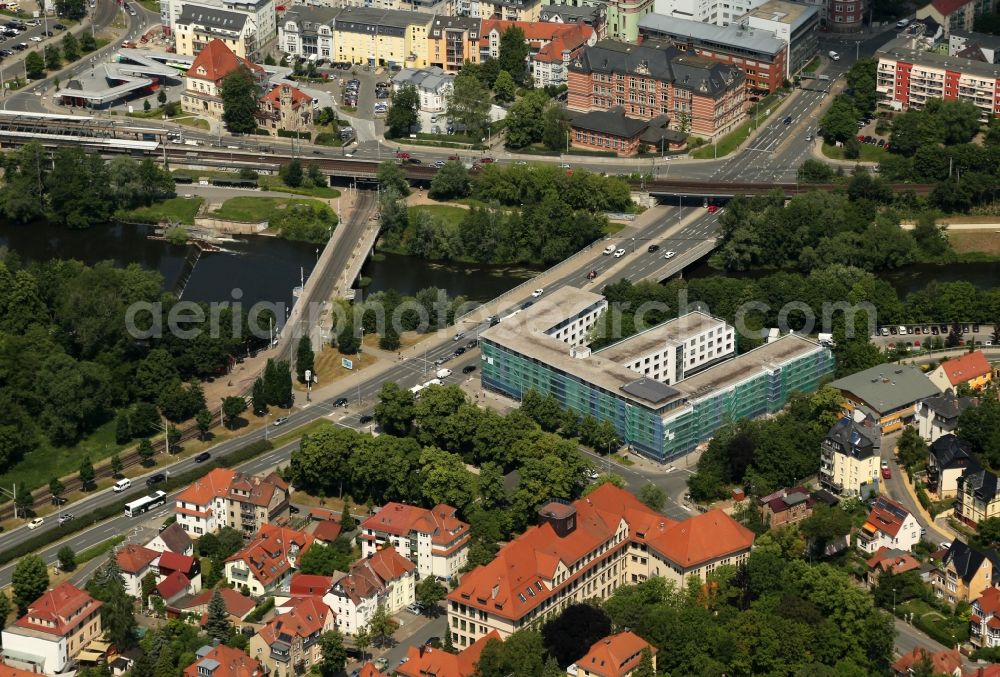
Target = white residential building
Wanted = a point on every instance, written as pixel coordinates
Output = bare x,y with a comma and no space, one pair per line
434,540
135,561
306,31
384,578
433,86
937,416
260,12
706,11
888,525
201,507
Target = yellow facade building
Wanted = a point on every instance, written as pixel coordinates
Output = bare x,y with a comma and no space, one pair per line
381,37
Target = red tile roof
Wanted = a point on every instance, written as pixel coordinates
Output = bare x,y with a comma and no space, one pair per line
992,670
307,615
134,558
942,661
213,485
889,559
8,671
946,7
614,656
172,561
371,575
967,367
886,516
273,97
256,490
237,605
989,601
215,61
267,555
400,519
172,585
306,584
59,611
232,663
425,661
573,38
369,670
327,531
701,539
536,33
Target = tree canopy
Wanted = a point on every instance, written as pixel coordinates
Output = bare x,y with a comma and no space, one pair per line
239,92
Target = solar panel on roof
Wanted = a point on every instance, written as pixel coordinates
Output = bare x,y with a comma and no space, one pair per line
649,390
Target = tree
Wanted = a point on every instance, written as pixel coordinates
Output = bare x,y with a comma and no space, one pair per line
53,58
146,451
35,66
148,585
86,473
526,119
5,609
70,47
334,655
28,582
239,101
123,431
259,398
362,640
520,654
232,407
71,9
568,636
815,171
469,104
391,176
395,410
930,237
954,338
555,127
504,88
381,626
203,419
304,358
218,626
912,450
347,521
67,558
325,560
117,617
429,593
839,123
116,465
291,173
824,525
88,43
652,496
451,181
56,487
161,96
645,667
513,56
25,502
402,115
389,339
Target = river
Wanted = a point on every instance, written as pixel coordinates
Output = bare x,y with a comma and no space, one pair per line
262,268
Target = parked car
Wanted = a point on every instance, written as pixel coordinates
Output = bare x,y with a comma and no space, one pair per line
415,608
902,23
472,344
610,249
439,163
486,160
365,419
459,351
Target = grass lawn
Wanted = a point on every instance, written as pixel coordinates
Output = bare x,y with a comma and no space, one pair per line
182,209
46,462
246,208
613,227
451,216
151,5
275,183
812,65
966,241
197,123
946,629
733,139
869,153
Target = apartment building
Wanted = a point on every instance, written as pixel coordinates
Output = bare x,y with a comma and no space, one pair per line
453,40
542,348
226,498
976,46
886,393
260,15
971,369
426,661
760,53
595,16
978,496
795,24
891,561
268,560
621,17
377,37
786,506
849,458
888,525
954,15
135,562
907,77
586,550
432,85
937,415
435,540
550,46
711,12
949,458
197,26
947,662
699,95
56,627
984,625
505,10
614,656
307,31
202,85
964,573
289,643
384,578
223,661
173,539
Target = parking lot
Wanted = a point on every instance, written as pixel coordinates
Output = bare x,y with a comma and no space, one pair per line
919,335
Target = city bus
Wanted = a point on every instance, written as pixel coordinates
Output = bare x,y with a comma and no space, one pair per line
141,505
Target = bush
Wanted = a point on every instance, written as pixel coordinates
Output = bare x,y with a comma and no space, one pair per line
257,614
289,134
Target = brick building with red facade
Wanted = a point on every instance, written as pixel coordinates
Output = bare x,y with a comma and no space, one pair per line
698,95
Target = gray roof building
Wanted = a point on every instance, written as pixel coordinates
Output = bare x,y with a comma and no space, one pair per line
983,484
569,14
887,388
309,17
733,38
947,405
431,79
967,561
950,451
213,20
901,49
851,438
611,122
661,62
371,20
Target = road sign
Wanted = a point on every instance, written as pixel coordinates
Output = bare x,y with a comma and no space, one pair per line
346,363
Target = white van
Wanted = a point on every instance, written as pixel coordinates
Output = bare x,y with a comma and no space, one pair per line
122,485
833,55
443,373
610,249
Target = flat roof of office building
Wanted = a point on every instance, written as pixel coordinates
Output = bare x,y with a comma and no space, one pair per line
672,331
551,309
733,35
747,365
792,13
